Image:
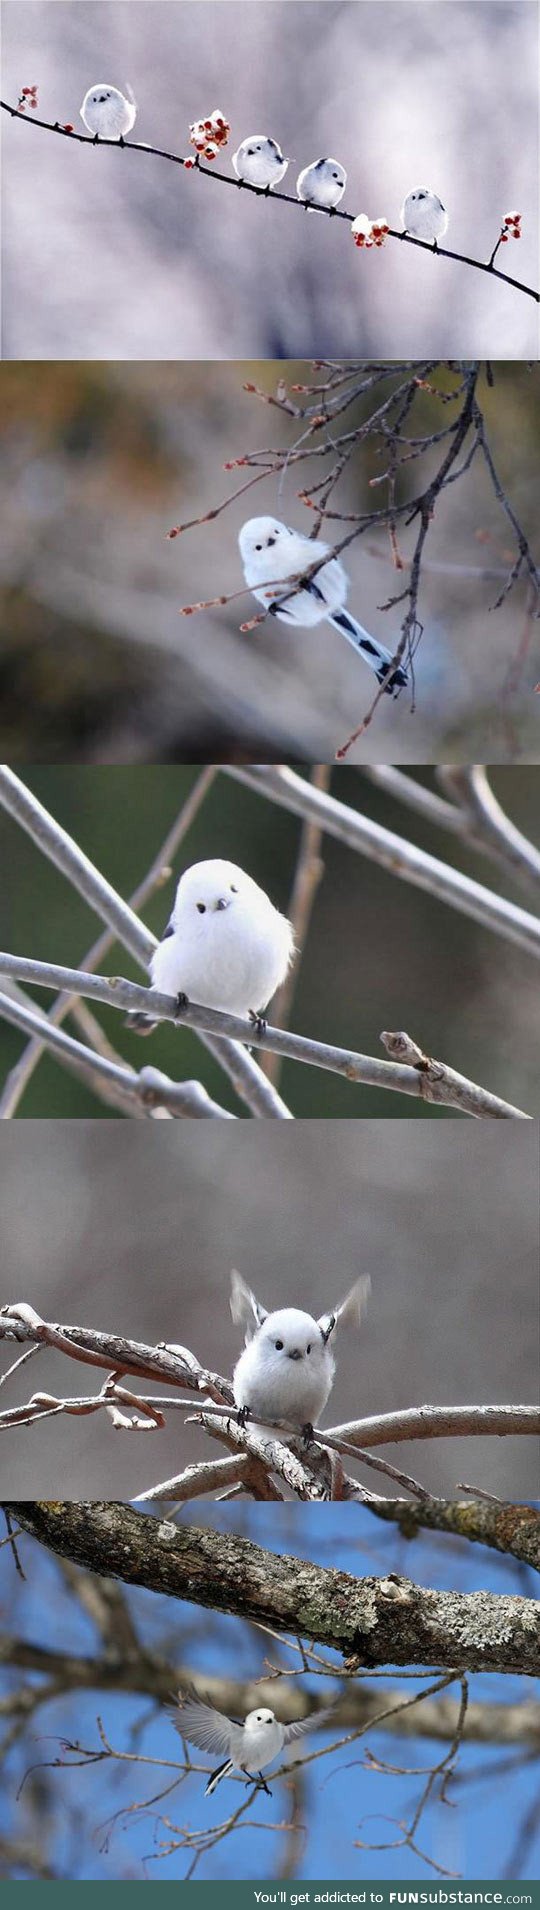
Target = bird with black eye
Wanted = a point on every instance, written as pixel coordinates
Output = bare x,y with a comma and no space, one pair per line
322,185
423,216
287,1366
225,947
259,162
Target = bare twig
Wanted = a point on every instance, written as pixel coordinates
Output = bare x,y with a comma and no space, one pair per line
422,1078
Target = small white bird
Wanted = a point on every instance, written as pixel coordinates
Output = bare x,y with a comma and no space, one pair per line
259,162
247,1747
287,1367
423,215
323,184
225,947
272,554
106,113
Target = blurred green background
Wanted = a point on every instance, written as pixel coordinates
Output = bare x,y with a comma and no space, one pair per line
96,663
380,954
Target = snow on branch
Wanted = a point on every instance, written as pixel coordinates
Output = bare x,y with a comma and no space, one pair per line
367,233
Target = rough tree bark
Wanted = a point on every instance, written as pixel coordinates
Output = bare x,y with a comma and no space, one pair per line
389,1621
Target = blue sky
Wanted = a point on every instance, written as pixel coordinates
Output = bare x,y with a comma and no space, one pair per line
472,1834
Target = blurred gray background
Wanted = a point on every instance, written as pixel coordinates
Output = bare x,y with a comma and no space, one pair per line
137,1230
379,953
113,255
96,663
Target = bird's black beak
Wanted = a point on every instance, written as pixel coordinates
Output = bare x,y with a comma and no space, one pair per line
223,902
296,1355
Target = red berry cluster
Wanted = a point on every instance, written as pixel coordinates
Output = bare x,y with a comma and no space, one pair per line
208,135
28,97
511,227
367,232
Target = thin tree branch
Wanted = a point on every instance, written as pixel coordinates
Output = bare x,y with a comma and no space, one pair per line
286,198
147,1673
424,1079
144,1092
307,877
440,1422
487,823
472,813
392,852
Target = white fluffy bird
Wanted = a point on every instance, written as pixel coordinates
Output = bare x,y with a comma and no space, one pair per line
225,947
259,162
272,554
106,113
424,216
247,1747
287,1366
322,184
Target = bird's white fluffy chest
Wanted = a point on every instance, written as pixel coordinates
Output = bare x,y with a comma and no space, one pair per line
231,959
283,1388
262,1743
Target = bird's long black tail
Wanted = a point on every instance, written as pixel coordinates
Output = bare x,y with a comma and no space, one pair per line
374,653
224,1770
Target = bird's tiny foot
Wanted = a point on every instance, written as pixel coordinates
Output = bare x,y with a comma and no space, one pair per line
262,1785
308,1434
243,1415
258,1022
121,140
181,1004
95,141
435,246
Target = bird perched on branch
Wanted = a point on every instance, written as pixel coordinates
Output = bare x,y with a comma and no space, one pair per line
274,556
287,1367
322,185
106,113
259,162
423,215
225,947
247,1747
